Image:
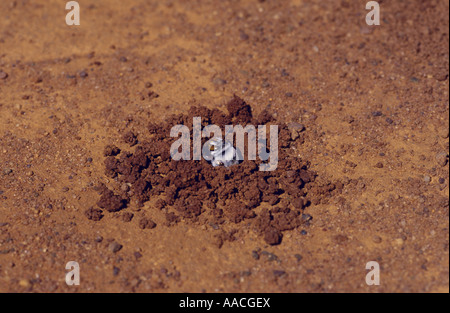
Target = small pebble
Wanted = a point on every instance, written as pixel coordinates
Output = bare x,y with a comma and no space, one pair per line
265,84
24,283
98,239
306,217
269,256
377,239
3,75
442,158
244,36
111,150
296,126
219,81
296,129
443,132
146,224
127,217
114,247
278,273
7,171
377,113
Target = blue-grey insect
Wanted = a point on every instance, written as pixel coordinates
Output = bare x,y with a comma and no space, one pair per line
222,153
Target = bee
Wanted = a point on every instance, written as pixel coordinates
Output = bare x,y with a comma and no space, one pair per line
222,153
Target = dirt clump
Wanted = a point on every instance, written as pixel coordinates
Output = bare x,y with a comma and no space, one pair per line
94,214
273,201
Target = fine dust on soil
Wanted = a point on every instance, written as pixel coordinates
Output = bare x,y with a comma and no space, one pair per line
369,106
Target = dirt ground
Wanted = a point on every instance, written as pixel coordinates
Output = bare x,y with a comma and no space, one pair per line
374,101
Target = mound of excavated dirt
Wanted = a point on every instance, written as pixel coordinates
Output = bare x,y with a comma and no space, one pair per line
189,189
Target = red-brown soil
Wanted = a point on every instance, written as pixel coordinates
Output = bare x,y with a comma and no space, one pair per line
373,101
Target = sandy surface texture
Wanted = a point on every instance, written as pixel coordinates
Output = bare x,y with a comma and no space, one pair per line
86,175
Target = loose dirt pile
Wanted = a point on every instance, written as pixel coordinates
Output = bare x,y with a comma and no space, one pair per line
192,189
